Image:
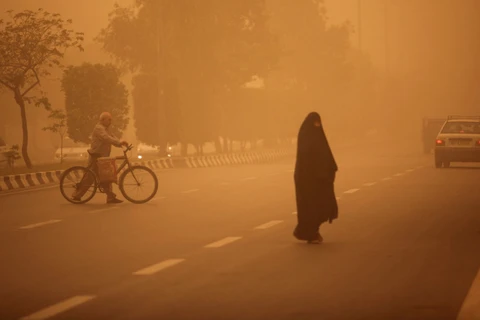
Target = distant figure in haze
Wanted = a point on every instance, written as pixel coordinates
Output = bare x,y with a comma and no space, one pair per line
315,171
102,141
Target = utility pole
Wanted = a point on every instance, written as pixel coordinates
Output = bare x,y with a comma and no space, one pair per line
161,73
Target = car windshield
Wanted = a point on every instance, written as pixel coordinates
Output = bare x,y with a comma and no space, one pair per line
462,127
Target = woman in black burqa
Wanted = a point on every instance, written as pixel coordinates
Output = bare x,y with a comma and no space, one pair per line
315,171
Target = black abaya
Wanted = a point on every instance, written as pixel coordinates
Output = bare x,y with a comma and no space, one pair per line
315,170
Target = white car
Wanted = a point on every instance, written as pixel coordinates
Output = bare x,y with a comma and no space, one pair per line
147,151
458,141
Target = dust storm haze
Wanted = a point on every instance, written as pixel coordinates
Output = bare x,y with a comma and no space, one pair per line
369,67
230,202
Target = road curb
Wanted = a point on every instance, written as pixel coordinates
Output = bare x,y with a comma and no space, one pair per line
30,180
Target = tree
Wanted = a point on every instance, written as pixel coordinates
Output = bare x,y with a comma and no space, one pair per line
59,126
31,44
313,72
145,98
91,89
207,47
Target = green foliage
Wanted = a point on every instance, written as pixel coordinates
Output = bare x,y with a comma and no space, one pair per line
213,47
31,44
12,155
91,89
207,46
59,124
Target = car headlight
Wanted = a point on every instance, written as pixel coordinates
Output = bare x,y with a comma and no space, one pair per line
139,157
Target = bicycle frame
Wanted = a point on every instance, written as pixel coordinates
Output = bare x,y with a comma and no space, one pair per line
125,162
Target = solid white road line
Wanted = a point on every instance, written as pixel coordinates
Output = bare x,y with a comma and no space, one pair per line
222,242
351,191
268,224
158,267
471,306
40,224
190,191
58,308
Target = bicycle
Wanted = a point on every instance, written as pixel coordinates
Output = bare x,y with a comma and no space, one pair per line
89,177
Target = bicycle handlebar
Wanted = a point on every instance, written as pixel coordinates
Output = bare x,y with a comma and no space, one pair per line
128,148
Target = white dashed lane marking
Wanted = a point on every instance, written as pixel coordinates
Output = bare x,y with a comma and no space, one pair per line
158,267
58,308
249,178
386,179
268,224
351,191
222,242
369,184
399,174
40,224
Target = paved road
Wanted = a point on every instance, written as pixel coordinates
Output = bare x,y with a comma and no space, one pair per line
217,244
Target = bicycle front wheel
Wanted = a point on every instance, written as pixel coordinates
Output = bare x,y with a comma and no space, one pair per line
138,184
78,185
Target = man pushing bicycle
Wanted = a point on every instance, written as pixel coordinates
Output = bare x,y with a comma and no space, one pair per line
102,141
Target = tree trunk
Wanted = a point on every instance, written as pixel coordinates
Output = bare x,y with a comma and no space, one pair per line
218,146
21,104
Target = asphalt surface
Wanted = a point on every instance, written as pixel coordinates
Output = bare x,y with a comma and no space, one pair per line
217,243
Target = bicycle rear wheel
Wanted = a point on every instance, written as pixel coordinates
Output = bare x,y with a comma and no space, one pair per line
76,178
138,184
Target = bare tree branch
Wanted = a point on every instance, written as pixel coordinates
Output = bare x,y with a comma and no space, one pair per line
31,87
7,85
